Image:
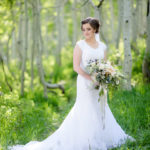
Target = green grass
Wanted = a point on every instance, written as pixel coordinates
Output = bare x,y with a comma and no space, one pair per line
35,118
132,111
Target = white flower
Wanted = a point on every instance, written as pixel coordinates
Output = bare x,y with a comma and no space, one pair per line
113,74
103,77
106,81
117,82
102,66
103,72
92,64
108,62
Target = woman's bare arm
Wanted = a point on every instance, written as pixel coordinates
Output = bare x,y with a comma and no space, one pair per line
76,62
105,55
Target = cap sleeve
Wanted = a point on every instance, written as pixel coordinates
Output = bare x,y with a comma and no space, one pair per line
80,44
105,46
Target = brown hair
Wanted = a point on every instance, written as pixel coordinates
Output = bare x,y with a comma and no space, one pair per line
93,22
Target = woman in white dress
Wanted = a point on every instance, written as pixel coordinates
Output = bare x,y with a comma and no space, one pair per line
83,127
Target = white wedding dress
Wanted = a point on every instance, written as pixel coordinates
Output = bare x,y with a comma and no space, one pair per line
82,129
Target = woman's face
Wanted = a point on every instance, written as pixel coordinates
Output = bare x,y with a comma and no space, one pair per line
88,31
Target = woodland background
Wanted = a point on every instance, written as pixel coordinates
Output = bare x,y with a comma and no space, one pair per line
37,81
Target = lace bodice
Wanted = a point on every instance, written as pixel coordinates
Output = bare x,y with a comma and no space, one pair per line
90,53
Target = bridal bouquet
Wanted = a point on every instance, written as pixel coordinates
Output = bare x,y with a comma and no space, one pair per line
104,74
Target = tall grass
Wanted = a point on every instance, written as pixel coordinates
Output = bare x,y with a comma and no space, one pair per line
132,111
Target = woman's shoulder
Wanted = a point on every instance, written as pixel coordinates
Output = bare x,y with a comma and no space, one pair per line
80,43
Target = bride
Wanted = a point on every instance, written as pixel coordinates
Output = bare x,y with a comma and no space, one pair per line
83,127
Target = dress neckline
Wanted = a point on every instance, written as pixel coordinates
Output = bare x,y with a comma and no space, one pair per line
91,46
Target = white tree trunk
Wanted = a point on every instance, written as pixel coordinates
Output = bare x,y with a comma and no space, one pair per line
75,26
13,45
112,20
146,61
103,28
39,47
135,25
37,25
140,19
64,37
135,20
98,15
33,44
59,33
127,67
86,10
120,21
25,48
144,18
19,45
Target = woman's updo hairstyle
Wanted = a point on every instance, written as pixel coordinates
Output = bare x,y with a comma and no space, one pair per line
94,23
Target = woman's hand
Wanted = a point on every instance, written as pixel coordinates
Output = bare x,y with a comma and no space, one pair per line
88,76
95,82
92,78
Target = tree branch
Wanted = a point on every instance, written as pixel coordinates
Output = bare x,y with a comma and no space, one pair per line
100,3
96,6
54,86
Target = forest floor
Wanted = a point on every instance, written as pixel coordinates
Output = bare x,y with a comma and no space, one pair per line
34,117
